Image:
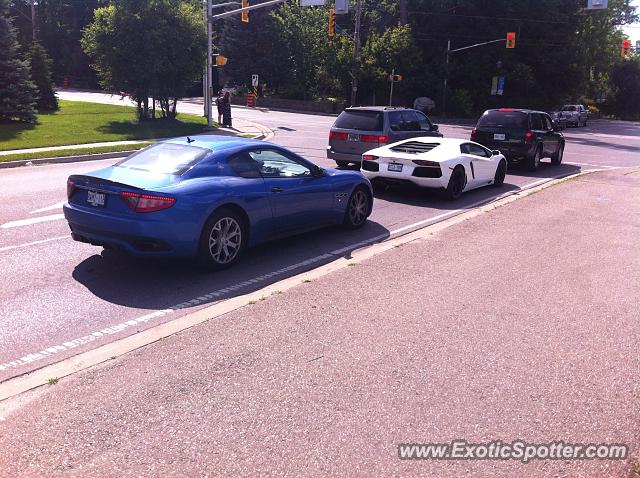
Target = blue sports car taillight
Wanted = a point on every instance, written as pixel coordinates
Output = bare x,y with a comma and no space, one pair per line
146,202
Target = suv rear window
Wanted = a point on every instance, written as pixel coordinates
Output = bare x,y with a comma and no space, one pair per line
569,108
164,158
501,119
360,120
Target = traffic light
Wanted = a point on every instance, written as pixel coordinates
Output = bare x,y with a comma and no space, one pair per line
395,78
245,13
625,49
332,23
511,39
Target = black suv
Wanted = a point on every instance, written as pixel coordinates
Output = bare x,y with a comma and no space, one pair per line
521,135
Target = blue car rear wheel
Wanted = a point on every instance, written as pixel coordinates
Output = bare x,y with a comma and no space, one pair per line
223,239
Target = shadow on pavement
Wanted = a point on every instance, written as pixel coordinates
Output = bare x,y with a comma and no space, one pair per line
617,127
158,284
432,198
546,170
603,144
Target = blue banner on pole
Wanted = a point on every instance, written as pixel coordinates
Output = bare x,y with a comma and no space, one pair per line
500,85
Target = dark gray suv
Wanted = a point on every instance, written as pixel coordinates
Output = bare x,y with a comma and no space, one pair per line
360,129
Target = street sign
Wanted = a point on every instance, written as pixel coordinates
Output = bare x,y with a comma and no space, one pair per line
221,60
500,89
341,7
311,3
494,85
254,80
596,4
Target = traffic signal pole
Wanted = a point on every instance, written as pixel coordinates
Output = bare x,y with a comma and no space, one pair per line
207,80
208,92
210,19
446,67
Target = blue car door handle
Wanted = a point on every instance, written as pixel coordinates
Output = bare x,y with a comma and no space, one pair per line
276,189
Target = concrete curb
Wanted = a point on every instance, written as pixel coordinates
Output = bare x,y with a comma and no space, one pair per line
20,384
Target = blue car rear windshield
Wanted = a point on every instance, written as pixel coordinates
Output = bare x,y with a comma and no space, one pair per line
164,158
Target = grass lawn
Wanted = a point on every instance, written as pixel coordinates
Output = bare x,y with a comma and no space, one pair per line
59,153
77,122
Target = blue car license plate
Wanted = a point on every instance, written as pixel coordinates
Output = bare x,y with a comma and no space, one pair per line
96,198
394,167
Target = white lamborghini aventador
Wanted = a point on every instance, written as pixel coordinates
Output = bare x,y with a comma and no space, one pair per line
454,165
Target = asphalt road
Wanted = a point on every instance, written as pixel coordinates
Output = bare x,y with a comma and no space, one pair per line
520,323
60,297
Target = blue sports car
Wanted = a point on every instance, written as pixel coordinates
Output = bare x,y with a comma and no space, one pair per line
209,197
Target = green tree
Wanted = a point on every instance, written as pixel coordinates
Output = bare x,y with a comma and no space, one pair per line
625,81
256,47
17,91
59,29
304,33
41,76
146,48
393,49
558,44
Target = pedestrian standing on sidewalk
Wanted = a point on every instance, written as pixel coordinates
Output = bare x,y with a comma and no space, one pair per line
226,110
219,101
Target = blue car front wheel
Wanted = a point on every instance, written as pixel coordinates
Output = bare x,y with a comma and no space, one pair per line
223,238
358,209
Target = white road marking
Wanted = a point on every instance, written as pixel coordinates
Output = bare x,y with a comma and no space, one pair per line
57,205
117,328
592,165
35,220
34,243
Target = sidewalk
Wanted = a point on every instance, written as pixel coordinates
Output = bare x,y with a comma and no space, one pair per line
520,323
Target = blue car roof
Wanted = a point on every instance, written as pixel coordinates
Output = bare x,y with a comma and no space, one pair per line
216,142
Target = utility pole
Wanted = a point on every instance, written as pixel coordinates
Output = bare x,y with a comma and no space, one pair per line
393,76
446,77
403,12
356,53
34,21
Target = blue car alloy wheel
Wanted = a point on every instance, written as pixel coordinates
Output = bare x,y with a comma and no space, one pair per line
223,238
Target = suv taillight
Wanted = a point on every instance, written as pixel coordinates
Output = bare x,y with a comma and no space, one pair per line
146,202
374,138
474,132
528,137
369,157
338,136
